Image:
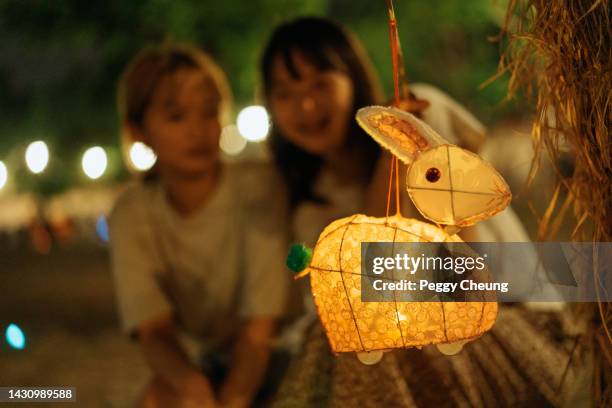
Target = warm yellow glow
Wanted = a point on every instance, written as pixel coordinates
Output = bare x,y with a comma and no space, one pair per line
353,325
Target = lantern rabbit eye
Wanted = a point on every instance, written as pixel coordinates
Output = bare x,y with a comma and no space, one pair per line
432,174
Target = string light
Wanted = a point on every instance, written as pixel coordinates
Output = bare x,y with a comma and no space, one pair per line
253,123
94,162
231,141
15,337
102,228
3,175
142,157
37,156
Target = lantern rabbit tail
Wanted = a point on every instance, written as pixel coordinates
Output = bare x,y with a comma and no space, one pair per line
298,259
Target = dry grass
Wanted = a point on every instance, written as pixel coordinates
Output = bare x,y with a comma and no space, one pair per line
559,54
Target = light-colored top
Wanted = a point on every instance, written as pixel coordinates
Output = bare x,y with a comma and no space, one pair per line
449,118
212,269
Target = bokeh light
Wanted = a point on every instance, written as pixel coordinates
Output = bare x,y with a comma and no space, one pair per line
3,175
231,141
37,156
15,337
102,228
142,157
94,162
253,123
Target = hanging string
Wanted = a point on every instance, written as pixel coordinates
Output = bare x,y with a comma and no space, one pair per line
397,63
394,41
397,57
389,190
397,190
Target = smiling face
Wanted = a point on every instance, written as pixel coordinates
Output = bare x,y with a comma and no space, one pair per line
313,109
182,123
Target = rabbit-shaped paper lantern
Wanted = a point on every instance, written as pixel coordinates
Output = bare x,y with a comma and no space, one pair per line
449,186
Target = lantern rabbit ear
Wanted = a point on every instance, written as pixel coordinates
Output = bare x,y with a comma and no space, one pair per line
398,131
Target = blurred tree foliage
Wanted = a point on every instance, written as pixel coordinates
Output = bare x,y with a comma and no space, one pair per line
60,60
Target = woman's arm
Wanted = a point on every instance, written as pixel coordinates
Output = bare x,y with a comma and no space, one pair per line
249,363
170,364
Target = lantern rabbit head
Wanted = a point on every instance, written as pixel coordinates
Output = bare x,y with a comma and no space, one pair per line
447,184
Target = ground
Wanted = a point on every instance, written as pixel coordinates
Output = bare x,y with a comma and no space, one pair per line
64,302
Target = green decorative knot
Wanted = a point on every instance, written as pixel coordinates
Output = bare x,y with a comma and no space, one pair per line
299,257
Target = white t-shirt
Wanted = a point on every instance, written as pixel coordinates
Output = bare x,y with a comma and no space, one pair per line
449,118
212,269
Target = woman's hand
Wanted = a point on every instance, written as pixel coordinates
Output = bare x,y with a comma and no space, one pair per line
176,379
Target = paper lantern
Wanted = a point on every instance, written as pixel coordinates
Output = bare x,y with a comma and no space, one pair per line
448,185
369,328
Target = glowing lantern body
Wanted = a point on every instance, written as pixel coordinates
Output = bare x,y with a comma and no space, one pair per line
353,325
448,185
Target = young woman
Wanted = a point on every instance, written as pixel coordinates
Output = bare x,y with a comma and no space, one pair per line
315,77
